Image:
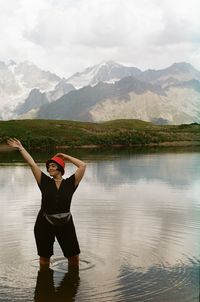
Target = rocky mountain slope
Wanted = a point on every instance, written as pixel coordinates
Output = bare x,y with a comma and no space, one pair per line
168,96
108,72
17,82
103,92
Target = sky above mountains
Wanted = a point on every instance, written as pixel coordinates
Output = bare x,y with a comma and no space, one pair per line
66,36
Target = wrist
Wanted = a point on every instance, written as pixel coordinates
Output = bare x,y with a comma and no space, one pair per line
20,149
64,156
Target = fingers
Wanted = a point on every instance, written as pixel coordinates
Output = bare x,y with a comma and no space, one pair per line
60,155
13,142
10,141
16,140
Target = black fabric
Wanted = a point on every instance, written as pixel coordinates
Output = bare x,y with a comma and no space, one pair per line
55,200
45,234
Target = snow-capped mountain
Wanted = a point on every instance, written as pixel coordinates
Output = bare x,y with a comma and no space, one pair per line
108,72
170,96
108,91
36,99
18,80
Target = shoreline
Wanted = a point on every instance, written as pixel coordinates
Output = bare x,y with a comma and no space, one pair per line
5,147
163,144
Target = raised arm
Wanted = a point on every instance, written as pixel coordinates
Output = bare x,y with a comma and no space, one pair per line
15,143
81,166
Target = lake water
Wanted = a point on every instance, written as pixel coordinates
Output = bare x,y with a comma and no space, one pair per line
137,217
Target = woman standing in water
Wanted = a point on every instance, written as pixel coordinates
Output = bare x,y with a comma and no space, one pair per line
54,219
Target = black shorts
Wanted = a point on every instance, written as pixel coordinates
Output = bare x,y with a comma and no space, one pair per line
45,234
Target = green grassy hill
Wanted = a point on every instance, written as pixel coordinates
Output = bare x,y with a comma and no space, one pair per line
45,133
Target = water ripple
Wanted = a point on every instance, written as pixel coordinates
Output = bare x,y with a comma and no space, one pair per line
132,283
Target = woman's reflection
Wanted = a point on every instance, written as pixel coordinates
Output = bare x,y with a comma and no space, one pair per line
46,291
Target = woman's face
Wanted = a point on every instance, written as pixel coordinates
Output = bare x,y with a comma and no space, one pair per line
53,170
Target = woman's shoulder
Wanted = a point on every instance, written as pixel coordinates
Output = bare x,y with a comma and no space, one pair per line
70,178
45,178
70,182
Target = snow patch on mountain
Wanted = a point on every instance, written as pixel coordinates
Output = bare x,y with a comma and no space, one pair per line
171,95
107,71
18,80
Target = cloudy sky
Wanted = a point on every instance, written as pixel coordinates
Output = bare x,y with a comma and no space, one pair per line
66,36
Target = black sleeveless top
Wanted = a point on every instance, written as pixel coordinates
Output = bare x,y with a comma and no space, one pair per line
56,200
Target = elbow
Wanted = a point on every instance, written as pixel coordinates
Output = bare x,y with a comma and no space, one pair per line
83,166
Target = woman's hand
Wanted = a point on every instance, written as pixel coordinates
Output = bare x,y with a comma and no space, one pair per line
15,143
61,155
81,166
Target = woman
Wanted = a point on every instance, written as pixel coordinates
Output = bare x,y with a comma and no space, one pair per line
54,218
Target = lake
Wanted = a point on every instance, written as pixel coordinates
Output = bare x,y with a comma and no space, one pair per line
137,217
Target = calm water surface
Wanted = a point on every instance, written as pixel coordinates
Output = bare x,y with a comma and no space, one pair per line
137,218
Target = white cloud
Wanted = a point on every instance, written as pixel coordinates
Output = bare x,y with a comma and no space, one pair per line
65,36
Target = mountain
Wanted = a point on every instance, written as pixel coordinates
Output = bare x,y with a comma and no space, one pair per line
35,100
59,90
107,91
18,80
80,104
174,74
109,72
130,98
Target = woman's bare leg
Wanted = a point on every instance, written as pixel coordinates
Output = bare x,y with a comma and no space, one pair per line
73,267
73,261
44,263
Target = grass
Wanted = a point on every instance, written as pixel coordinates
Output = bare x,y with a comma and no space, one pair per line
45,133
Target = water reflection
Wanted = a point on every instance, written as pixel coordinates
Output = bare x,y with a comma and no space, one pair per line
146,285
176,169
137,219
46,291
